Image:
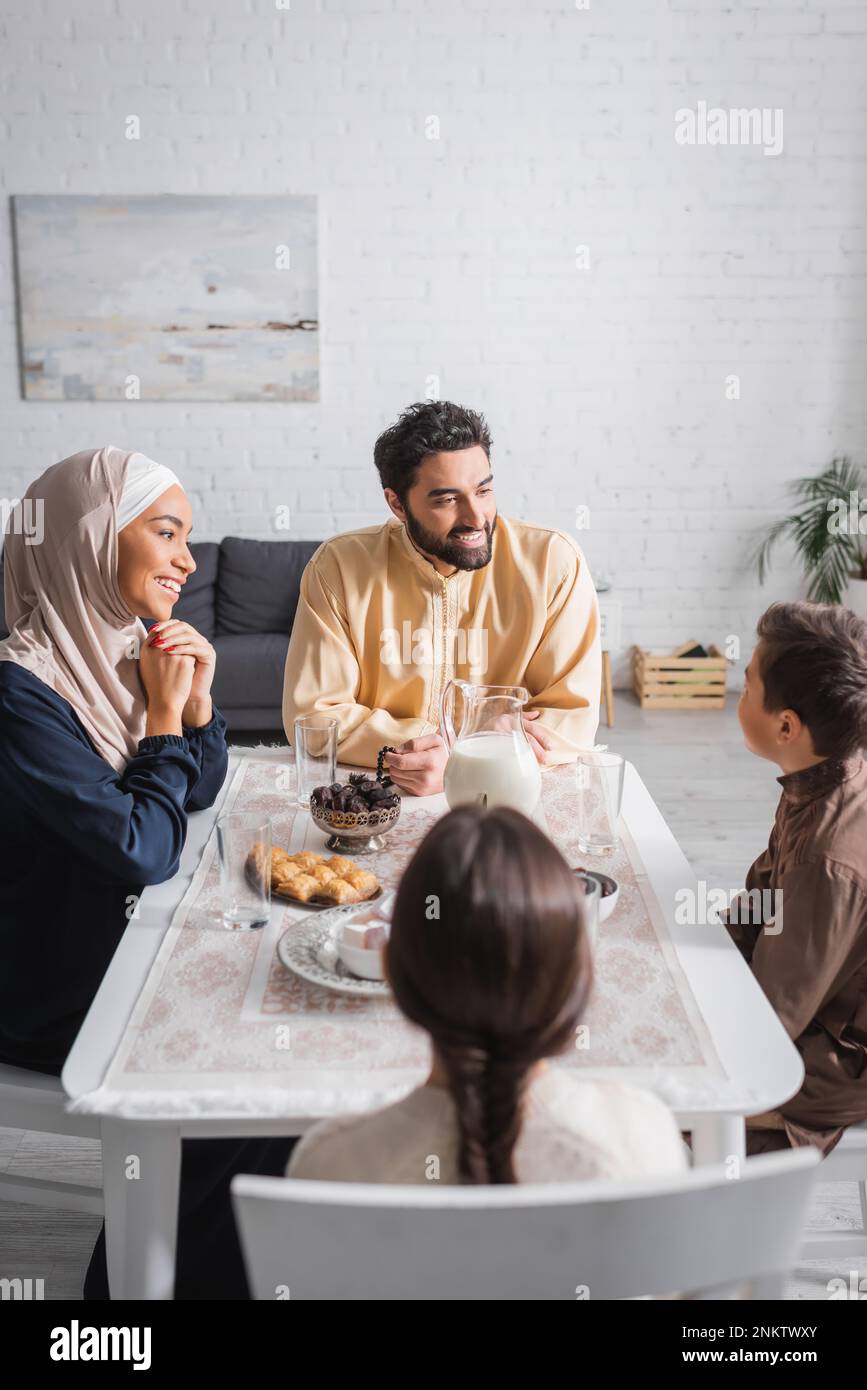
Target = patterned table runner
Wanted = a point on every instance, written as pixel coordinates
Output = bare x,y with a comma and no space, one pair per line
223,1028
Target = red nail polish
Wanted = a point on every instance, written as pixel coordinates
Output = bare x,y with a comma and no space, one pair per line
169,649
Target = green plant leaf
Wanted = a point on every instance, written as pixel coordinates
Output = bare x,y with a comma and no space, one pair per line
827,556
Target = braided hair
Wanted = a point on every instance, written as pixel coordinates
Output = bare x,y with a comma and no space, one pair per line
488,954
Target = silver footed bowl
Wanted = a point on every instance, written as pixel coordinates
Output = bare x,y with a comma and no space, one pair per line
359,831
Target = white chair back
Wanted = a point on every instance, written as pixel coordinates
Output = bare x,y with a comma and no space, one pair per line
699,1232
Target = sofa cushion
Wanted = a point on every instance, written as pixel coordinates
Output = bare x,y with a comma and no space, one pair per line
197,603
257,584
249,672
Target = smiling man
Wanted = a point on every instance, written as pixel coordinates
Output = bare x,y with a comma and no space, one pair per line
445,588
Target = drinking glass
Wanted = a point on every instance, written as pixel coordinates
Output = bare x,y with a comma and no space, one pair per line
600,792
315,754
244,843
592,898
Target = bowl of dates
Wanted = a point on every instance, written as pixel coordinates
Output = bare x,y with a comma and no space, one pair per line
356,814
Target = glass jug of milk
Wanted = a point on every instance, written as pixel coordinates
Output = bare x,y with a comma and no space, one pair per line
490,761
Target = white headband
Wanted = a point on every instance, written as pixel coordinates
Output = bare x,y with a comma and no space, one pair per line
145,481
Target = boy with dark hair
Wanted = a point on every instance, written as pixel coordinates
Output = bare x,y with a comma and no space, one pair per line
804,707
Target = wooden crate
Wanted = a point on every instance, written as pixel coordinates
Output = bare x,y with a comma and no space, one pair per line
679,682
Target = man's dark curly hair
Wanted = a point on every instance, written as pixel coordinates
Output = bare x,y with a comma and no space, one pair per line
428,427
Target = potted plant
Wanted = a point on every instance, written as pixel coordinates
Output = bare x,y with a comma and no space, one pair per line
829,533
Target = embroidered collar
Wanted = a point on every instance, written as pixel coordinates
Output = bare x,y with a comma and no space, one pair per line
811,782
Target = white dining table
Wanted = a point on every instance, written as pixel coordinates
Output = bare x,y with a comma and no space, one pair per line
761,1065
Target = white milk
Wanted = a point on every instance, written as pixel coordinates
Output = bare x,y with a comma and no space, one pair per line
502,767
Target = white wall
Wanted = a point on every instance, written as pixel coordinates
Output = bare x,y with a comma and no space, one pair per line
457,258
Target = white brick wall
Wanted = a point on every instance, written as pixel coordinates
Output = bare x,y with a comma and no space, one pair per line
456,257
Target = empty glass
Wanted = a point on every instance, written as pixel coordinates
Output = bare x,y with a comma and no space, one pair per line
244,842
315,754
600,793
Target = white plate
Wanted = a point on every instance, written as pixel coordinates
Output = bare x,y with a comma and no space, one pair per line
308,949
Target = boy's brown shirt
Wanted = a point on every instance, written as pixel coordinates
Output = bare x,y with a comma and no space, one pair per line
814,971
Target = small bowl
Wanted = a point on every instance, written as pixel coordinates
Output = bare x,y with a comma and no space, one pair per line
359,832
361,960
366,964
609,890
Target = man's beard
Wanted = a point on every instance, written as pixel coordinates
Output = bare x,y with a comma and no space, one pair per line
446,549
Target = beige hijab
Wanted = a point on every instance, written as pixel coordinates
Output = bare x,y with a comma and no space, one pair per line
68,623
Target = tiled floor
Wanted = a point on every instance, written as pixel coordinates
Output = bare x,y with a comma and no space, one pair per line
719,801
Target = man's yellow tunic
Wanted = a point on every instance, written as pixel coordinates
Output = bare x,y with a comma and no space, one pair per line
378,632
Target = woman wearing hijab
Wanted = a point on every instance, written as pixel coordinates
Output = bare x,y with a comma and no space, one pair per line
108,740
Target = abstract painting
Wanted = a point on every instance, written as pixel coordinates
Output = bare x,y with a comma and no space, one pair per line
168,298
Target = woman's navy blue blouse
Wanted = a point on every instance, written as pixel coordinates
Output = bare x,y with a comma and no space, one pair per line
77,841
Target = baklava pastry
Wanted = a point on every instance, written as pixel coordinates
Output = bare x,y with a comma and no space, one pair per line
284,868
338,891
363,881
302,887
322,873
340,865
307,860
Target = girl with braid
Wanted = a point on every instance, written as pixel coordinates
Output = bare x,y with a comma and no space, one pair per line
488,955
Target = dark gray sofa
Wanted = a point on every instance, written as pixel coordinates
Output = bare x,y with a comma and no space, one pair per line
242,597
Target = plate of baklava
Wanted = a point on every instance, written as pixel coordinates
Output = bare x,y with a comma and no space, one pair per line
308,879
